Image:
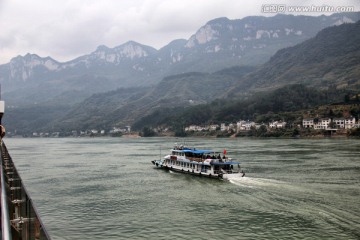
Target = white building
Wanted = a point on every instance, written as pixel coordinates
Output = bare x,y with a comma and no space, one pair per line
213,127
308,123
195,128
244,125
191,128
240,126
324,123
350,122
339,122
277,124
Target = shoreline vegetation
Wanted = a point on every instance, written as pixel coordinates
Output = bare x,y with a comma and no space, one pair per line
290,133
278,133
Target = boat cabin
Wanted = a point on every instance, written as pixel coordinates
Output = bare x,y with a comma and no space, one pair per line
206,162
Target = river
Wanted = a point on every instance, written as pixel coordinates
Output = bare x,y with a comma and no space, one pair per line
107,188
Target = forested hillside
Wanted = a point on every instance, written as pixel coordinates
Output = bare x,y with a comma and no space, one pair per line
329,60
261,107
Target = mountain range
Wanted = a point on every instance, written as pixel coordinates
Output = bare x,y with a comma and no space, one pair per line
330,61
220,43
137,80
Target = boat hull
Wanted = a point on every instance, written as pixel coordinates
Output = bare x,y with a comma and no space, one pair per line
160,164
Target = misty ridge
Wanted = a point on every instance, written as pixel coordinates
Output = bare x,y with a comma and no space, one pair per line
225,59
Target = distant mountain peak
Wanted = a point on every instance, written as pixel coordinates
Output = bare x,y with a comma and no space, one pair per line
23,67
221,20
342,20
204,35
102,48
27,57
132,50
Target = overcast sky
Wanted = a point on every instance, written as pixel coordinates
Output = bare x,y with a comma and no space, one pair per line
66,29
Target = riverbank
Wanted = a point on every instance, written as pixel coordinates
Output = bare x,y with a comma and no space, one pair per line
254,133
279,133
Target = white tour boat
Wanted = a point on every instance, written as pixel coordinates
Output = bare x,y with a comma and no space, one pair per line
207,163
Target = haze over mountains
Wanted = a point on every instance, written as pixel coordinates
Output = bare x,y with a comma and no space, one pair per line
185,72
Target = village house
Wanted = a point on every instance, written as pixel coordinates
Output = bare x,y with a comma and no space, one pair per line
230,127
244,125
249,124
350,122
308,123
116,130
196,128
213,127
240,126
322,123
191,128
277,124
325,123
339,122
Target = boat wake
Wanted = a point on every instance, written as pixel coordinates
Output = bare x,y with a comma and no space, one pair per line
254,182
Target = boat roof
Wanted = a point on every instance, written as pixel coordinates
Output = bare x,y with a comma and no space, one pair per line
199,151
195,151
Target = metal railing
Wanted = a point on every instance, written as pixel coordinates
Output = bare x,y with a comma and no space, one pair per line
19,217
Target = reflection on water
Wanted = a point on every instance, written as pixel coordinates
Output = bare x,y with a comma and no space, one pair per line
106,188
